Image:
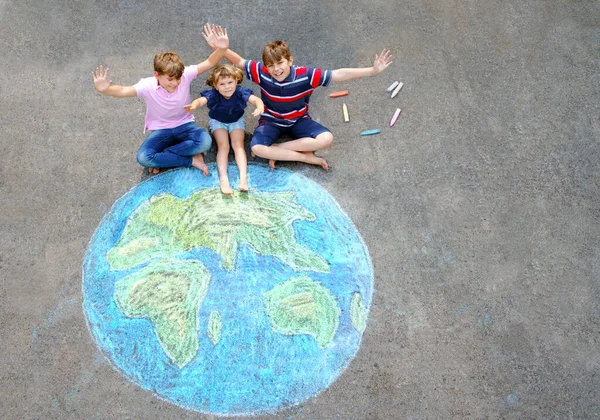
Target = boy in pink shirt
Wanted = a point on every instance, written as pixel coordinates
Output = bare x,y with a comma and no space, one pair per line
176,140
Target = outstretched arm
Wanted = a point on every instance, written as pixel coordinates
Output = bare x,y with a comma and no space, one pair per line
210,36
258,103
105,86
218,37
196,103
235,59
382,62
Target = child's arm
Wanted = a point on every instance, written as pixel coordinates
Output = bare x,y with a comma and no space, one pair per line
105,86
196,103
258,103
381,63
220,40
235,59
230,56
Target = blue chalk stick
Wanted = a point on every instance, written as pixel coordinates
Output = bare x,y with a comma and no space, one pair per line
370,132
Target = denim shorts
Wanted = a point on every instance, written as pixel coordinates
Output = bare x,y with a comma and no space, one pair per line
267,132
237,125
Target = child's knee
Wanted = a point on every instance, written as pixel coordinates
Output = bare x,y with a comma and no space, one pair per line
144,158
326,139
258,149
223,147
202,140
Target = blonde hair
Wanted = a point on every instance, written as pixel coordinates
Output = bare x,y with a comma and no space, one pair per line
168,63
275,51
224,70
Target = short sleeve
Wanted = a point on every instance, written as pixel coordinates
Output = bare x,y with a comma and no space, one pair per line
253,69
141,87
208,94
245,93
319,77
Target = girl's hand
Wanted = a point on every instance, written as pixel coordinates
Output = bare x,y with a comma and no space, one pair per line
190,108
100,78
259,110
215,36
382,61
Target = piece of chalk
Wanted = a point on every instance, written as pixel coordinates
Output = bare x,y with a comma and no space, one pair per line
346,117
338,94
395,92
391,88
370,132
395,117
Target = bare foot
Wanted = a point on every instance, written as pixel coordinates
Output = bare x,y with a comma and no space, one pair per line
198,162
153,170
272,164
243,184
225,187
315,160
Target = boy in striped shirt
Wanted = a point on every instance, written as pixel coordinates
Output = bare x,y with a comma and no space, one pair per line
285,91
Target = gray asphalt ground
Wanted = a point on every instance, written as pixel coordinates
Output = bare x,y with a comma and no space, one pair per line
480,207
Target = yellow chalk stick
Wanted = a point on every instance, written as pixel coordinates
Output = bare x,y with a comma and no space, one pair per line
346,117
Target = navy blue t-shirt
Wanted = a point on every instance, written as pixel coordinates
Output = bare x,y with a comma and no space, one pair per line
227,110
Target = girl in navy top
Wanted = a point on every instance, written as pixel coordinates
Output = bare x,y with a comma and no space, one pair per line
226,102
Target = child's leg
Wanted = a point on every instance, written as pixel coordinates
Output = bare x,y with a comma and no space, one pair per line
237,142
274,153
310,136
193,141
150,153
222,139
309,144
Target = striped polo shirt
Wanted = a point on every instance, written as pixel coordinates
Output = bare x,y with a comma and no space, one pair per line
286,102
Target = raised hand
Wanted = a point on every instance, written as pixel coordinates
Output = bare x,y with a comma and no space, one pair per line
382,61
215,36
100,78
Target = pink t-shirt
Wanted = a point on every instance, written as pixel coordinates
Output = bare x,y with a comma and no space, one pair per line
164,109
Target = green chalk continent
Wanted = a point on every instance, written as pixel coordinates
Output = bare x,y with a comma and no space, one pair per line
215,325
170,294
303,306
358,313
165,226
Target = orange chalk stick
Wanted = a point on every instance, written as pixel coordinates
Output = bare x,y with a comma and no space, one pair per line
338,94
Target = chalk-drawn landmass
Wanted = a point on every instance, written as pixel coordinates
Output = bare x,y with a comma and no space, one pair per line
169,293
303,306
165,226
215,325
358,313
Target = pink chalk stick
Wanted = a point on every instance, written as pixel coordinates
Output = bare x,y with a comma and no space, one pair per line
395,117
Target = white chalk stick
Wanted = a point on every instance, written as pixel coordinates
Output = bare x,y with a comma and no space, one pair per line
395,92
346,117
395,117
391,88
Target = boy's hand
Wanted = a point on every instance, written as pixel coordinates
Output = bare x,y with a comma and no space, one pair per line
100,77
190,108
259,110
382,61
216,36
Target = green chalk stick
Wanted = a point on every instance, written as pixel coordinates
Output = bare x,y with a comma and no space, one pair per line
370,132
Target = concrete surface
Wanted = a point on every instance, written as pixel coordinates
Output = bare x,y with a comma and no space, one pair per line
480,207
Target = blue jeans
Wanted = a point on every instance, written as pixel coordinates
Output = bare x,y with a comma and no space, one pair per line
173,147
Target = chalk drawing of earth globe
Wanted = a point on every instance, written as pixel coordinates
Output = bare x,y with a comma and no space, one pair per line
228,305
